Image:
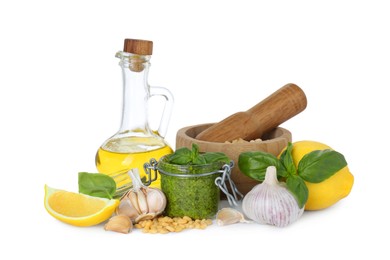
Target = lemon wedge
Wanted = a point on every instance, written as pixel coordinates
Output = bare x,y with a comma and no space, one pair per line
78,209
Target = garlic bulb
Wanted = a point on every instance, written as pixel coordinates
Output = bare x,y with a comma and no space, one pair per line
271,203
141,202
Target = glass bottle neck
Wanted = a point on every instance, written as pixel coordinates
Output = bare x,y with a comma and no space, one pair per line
136,93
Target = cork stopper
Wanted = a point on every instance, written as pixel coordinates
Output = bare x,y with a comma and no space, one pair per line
140,47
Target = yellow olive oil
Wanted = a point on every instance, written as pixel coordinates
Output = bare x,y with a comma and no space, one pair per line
123,154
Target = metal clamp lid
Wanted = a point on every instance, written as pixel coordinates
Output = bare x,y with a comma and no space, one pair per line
221,183
148,167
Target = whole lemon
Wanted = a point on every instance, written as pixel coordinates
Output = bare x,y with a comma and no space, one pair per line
329,191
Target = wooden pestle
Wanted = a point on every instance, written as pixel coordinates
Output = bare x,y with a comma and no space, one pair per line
277,108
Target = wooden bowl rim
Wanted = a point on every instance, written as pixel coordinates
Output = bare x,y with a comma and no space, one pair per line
183,133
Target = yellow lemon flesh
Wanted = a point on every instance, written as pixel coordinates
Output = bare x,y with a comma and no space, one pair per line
331,190
78,209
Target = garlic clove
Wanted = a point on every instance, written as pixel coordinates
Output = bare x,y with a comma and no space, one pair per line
119,223
227,216
156,201
145,217
142,201
133,198
126,208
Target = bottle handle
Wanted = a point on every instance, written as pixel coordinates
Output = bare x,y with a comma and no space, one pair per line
166,114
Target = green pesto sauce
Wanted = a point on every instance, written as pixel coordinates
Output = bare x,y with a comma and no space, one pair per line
195,197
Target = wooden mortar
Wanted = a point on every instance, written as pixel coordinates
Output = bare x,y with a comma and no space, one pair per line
273,142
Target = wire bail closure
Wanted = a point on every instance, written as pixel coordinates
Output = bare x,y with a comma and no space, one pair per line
148,167
221,183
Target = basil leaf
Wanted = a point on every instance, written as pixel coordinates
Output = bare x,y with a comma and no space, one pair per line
194,151
287,160
298,188
319,165
96,184
185,156
181,156
254,164
216,157
199,160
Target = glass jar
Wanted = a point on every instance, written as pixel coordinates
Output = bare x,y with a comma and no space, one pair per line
193,190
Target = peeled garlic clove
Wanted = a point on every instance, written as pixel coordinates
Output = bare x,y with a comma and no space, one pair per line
227,216
119,223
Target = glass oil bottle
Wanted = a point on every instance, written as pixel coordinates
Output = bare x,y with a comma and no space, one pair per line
135,143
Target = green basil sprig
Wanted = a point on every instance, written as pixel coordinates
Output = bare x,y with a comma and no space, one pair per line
314,167
185,156
97,185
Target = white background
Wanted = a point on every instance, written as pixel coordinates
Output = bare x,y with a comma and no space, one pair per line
60,98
